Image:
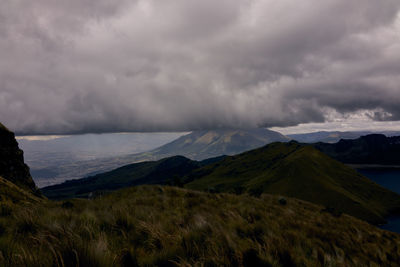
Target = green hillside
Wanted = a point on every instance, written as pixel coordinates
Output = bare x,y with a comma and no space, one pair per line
10,193
166,226
302,172
168,170
288,169
197,145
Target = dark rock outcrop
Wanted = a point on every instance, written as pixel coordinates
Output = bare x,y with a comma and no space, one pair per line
12,166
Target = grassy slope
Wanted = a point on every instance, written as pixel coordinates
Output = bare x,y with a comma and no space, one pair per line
152,172
165,226
10,193
303,172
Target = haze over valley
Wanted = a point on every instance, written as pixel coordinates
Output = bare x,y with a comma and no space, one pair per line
58,158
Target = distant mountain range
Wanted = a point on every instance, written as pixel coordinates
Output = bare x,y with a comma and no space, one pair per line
289,169
369,149
197,145
334,136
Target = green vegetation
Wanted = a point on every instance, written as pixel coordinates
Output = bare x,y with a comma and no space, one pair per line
151,172
10,193
197,145
166,226
298,171
289,169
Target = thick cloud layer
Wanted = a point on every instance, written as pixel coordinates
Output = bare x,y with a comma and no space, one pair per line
146,65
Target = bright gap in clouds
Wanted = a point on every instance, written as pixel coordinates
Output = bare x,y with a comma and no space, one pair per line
360,121
72,67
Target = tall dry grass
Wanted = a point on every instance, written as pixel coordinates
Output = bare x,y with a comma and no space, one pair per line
166,226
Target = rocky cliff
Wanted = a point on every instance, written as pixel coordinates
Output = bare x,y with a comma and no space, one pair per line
12,166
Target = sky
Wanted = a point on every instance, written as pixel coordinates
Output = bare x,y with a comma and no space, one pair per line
100,66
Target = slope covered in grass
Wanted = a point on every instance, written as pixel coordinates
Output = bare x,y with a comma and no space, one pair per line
165,226
168,170
197,145
298,171
10,193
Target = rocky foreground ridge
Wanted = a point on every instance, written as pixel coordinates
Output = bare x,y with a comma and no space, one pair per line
12,166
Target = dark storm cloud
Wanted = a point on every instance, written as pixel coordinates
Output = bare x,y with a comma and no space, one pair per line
106,66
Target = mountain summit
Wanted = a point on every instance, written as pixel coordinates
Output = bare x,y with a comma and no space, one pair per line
205,144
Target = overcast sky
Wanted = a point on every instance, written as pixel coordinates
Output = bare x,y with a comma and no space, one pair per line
81,66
